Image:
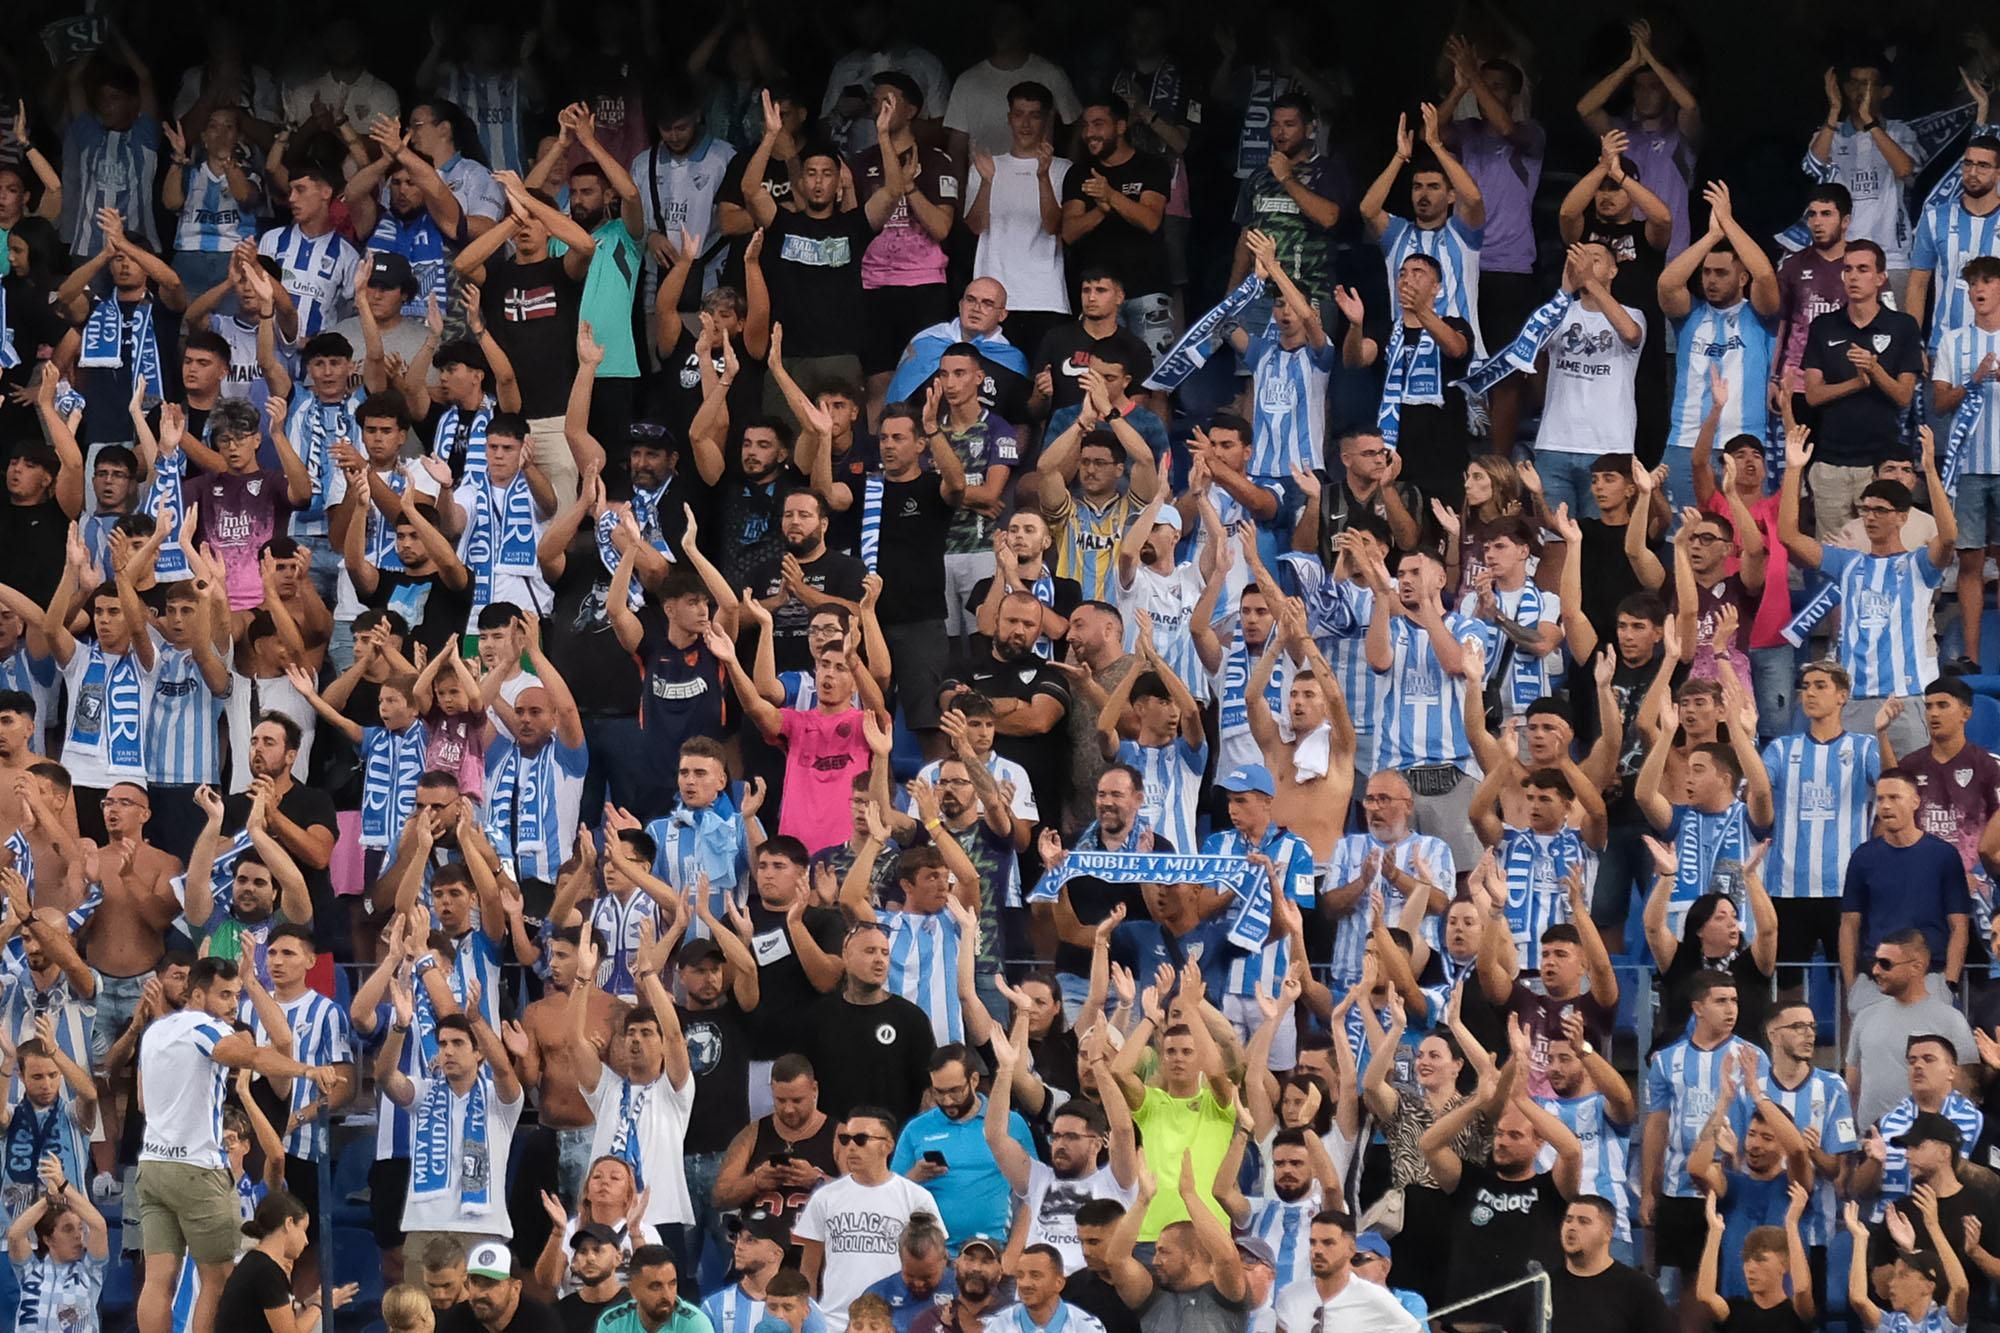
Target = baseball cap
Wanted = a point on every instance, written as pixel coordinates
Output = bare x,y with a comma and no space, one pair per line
1257,1250
1250,777
1928,1127
390,270
981,1239
1738,443
1170,516
764,1226
596,1231
490,1259
696,952
1371,1242
912,92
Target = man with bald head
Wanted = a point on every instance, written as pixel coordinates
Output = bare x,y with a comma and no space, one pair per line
1003,367
1030,697
534,772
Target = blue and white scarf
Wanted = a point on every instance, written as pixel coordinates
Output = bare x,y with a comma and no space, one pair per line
1817,608
1044,588
871,520
520,790
392,762
632,1102
607,555
10,355
163,493
1190,354
424,1026
432,1152
116,682
31,1136
1415,376
499,537
1525,675
445,443
1970,409
314,425
104,340
1520,354
1140,868
381,533
646,513
24,855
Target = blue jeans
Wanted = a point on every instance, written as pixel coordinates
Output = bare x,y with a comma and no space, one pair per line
1074,988
573,1161
1680,478
340,645
201,269
1773,677
1566,480
709,1246
325,568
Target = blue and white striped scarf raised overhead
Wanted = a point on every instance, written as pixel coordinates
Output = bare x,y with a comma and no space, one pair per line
432,1151
392,763
1416,378
163,493
315,424
1231,872
871,520
499,535
1190,354
1817,608
1519,355
104,339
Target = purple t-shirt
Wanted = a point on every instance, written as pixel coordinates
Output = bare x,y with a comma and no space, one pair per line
1956,796
1507,171
1809,286
239,512
1666,165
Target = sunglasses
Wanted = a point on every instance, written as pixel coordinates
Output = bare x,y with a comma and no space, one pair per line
1881,964
855,1140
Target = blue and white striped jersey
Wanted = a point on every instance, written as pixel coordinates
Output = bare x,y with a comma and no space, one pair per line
1423,715
1957,1108
183,734
732,1310
320,1036
1958,355
1455,246
923,967
57,1297
1261,973
494,100
1821,1103
1535,866
1935,1320
1288,429
319,273
1172,798
212,221
1606,1151
1738,342
36,678
1287,1229
1885,643
1947,236
1684,1081
1350,940
1824,795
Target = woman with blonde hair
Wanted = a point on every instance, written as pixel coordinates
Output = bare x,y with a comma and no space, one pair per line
406,1309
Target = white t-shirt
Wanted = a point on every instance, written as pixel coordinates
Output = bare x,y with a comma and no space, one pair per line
1014,250
1590,408
442,1212
1052,1203
1359,1307
662,1130
859,1225
979,107
184,1088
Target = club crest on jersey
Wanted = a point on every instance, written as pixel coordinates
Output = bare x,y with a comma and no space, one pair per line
1882,341
254,485
1961,776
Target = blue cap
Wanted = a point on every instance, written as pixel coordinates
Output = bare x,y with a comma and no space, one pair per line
1371,1242
1250,777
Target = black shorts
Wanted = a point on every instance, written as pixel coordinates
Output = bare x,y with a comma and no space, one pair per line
1680,1229
388,1191
896,315
1505,302
302,1179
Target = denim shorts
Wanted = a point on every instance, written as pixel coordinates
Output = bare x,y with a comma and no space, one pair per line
1566,480
1977,509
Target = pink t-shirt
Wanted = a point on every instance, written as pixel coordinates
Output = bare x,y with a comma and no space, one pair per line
823,752
458,746
1774,604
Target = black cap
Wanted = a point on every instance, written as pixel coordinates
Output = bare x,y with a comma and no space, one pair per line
596,1231
698,951
390,270
902,83
764,1226
1929,1127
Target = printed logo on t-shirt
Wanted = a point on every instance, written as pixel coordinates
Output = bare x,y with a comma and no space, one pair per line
885,1034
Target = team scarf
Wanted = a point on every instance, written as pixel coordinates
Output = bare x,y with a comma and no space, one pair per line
117,683
1525,855
24,855
425,1014
1519,355
1416,377
10,355
104,339
646,513
163,493
313,427
1698,857
1525,674
1970,409
473,424
1933,133
607,555
499,537
380,534
31,1136
632,1103
1817,608
871,520
1252,888
391,765
431,1150
515,802
1190,354
1044,588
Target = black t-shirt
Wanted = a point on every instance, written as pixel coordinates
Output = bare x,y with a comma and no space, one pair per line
1432,438
107,390
1637,283
915,516
739,524
1137,258
777,184
532,310
1062,600
676,391
1046,756
687,691
435,610
1620,1297
718,1044
1065,354
257,1285
37,331
813,266
1093,1295
581,642
1863,428
306,807
851,469
581,1316
530,1316
1745,1316
34,538
1753,989
1608,578
834,574
868,1054
783,991
1497,1226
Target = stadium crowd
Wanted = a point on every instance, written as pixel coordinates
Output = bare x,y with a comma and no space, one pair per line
639,691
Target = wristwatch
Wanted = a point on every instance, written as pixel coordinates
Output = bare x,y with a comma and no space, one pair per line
1586,1049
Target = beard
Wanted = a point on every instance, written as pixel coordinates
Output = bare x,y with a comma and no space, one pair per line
802,546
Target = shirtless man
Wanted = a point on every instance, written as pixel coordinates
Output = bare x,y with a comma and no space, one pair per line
47,806
1314,771
540,1043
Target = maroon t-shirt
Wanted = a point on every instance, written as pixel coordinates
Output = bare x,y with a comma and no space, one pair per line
1709,601
1956,796
1542,1016
1808,287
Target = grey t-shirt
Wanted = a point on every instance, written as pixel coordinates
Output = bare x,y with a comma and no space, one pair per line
404,340
1202,1310
1878,1041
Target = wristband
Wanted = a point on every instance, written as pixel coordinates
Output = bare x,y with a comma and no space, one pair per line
1870,127
423,965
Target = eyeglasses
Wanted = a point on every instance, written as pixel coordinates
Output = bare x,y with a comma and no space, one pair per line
1074,1138
1874,510
856,1140
1705,539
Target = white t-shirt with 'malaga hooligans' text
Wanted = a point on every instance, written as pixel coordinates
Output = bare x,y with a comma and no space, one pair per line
859,1226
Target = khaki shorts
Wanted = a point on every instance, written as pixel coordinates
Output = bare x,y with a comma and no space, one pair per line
189,1210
